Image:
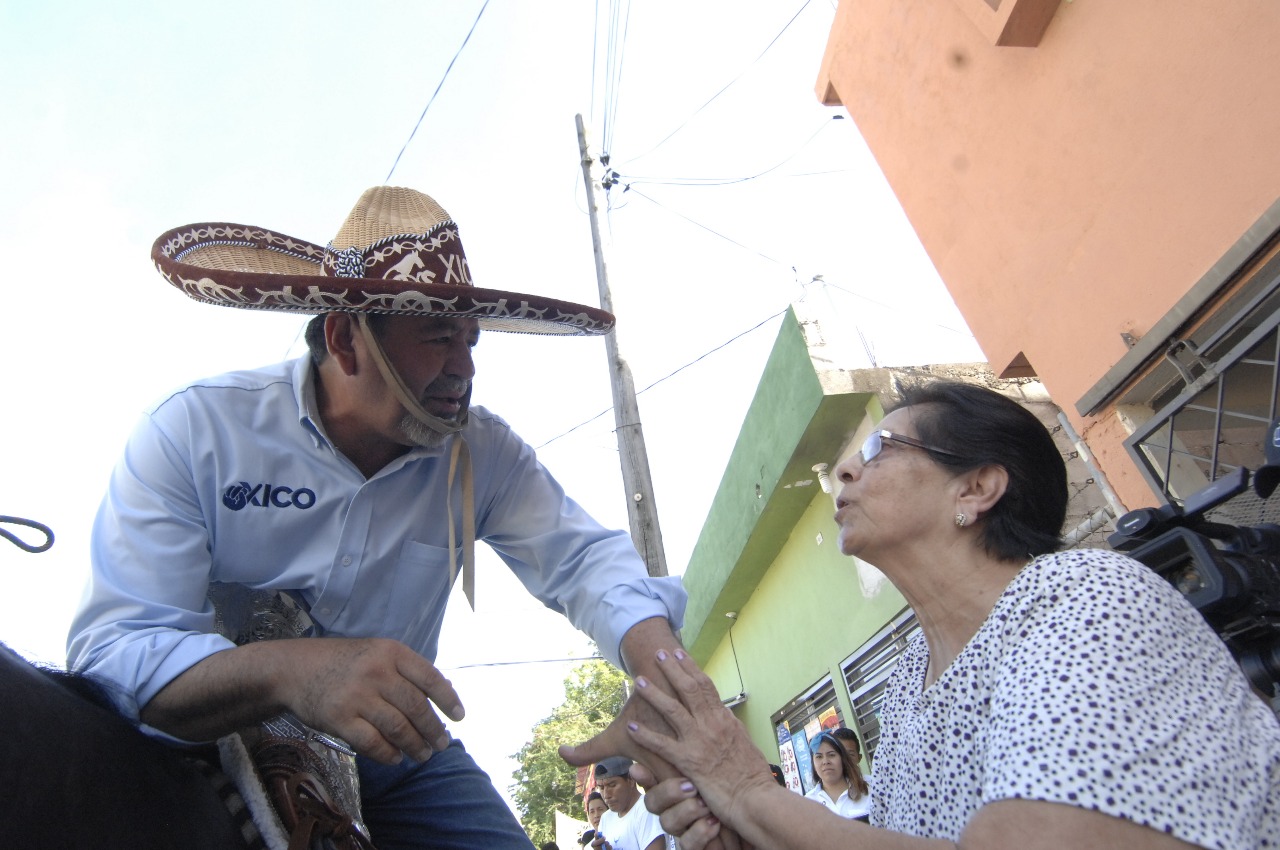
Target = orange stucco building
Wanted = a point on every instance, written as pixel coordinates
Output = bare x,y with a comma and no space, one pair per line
1096,182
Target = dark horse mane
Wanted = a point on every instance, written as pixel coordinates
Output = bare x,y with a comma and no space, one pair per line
89,690
74,773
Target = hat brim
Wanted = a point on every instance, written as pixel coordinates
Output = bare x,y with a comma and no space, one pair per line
236,265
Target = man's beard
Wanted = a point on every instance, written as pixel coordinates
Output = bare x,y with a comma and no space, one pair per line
419,433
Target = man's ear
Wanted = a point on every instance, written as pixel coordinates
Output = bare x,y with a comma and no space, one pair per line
981,489
339,339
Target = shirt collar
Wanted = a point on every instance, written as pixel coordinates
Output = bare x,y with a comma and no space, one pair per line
305,376
304,393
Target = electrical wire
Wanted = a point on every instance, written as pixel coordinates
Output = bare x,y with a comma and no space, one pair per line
734,338
595,61
615,81
869,300
708,229
726,87
891,308
727,181
617,26
414,131
515,663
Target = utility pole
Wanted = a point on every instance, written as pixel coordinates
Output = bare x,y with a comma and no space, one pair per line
642,510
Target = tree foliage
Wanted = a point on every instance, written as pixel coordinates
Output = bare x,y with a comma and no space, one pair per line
593,696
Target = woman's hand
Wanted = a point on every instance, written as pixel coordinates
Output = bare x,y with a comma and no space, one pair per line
709,746
684,814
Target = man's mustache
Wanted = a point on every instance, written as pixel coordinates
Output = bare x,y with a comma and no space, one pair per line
446,386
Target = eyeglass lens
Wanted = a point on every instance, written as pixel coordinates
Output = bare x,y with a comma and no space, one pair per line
871,447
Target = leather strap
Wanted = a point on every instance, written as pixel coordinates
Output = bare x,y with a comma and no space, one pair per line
460,453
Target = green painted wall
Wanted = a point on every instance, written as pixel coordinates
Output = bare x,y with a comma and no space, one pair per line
806,615
793,423
786,397
801,607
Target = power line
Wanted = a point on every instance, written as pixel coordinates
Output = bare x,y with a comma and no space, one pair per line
665,377
727,85
891,308
515,663
708,229
615,51
726,181
436,92
595,61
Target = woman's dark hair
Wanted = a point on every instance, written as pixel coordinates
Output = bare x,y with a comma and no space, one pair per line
848,767
983,427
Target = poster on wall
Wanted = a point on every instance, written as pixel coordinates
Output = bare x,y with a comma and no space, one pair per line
804,763
787,760
829,719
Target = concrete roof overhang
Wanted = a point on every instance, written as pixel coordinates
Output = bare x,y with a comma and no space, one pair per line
799,417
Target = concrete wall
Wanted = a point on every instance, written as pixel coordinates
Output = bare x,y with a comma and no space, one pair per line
1075,190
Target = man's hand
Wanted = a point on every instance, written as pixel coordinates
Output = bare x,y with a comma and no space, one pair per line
640,646
375,694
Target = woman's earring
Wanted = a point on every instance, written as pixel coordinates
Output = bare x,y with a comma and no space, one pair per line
961,520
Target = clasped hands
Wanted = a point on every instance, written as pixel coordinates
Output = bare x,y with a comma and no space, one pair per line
694,757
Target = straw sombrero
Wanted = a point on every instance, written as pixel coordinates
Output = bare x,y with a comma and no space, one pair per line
397,253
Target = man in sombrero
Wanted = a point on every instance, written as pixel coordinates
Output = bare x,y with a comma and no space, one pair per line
353,481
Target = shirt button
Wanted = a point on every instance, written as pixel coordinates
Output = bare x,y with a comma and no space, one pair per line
324,610
346,560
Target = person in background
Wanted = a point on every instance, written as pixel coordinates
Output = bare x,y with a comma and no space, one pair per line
595,807
838,783
849,740
1054,698
628,825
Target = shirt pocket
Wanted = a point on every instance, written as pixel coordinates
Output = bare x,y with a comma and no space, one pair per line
419,594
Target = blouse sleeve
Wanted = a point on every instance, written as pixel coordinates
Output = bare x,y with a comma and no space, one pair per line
1114,695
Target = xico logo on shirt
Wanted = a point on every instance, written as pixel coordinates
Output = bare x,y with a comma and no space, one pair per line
242,495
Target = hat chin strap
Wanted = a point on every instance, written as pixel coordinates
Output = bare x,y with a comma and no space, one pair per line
401,392
460,455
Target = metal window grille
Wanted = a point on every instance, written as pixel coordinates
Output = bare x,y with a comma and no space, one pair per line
867,670
817,699
1216,421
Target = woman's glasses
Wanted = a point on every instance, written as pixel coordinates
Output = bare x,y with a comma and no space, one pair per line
872,446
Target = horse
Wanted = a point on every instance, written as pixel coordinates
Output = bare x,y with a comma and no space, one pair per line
74,773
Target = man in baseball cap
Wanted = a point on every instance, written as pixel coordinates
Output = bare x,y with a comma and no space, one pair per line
628,825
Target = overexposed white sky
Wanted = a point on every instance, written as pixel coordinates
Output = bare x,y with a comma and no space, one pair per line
123,120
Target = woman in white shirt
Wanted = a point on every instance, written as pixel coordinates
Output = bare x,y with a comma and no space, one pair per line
839,783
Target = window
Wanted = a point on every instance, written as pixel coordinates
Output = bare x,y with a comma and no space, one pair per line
867,670
1217,416
810,704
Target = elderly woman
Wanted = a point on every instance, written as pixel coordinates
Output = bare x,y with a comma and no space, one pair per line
1056,699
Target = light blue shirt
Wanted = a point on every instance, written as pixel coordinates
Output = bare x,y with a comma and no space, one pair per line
232,479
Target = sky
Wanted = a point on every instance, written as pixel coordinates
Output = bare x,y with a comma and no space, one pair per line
738,191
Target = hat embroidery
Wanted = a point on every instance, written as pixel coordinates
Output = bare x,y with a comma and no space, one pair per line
404,270
421,269
349,262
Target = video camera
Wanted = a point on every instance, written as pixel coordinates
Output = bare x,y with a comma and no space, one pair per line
1229,573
